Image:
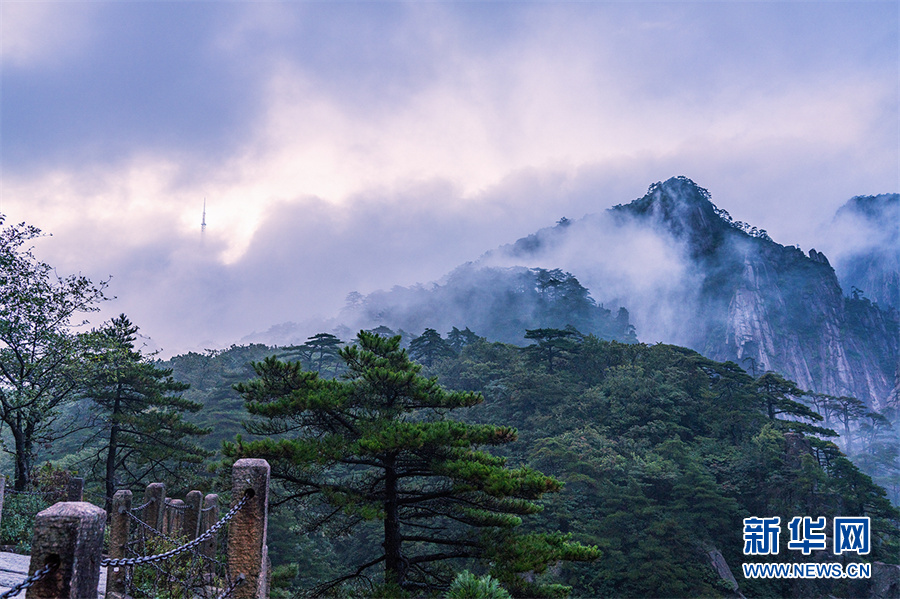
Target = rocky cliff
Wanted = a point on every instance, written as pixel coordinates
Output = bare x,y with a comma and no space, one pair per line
739,296
865,234
688,274
771,307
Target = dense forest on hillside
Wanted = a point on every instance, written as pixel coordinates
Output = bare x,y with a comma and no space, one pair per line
662,452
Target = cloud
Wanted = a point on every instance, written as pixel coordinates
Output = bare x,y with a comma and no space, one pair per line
356,146
623,264
40,34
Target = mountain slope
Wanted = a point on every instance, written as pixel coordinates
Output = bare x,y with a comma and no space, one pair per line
498,303
869,229
688,274
735,293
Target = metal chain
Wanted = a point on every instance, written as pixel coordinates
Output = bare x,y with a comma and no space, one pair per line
178,507
143,505
30,580
235,584
170,539
151,529
134,561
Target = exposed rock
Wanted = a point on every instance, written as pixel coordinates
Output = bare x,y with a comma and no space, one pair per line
885,581
770,307
718,563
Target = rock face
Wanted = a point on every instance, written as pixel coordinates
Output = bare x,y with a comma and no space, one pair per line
885,581
688,274
740,296
771,307
720,566
869,263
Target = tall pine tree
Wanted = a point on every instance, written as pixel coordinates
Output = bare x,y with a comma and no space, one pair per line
378,446
138,406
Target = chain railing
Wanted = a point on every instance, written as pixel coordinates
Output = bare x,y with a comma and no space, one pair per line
152,555
134,561
31,580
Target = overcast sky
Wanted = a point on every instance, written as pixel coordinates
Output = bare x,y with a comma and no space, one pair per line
352,146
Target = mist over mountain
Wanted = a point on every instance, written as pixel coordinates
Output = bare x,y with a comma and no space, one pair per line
692,275
865,235
498,303
673,267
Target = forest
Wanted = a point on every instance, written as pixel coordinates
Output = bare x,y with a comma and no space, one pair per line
447,464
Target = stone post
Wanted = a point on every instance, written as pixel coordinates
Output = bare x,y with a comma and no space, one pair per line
154,513
120,524
2,493
208,517
71,534
247,551
75,489
193,502
174,517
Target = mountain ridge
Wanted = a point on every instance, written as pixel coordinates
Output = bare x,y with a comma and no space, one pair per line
686,273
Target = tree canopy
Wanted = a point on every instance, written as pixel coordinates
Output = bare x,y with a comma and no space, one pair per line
379,446
140,431
39,348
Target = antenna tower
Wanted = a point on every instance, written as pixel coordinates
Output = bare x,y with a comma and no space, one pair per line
203,222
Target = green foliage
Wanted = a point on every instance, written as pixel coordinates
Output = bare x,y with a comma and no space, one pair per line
319,353
378,445
663,452
460,339
139,431
211,376
468,586
282,579
430,347
39,349
18,520
551,344
47,486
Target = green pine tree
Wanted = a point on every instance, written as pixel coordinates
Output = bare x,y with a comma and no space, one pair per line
378,446
139,409
551,344
429,347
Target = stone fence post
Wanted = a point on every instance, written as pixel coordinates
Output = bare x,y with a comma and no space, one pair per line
156,511
71,534
119,527
2,493
209,516
193,504
247,550
174,517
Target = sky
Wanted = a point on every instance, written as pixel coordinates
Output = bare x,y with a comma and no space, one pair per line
355,146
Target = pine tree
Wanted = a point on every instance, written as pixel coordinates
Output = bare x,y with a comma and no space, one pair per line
551,344
460,339
776,393
320,351
139,409
378,446
430,347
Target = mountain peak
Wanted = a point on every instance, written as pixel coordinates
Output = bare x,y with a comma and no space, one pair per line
680,188
686,210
